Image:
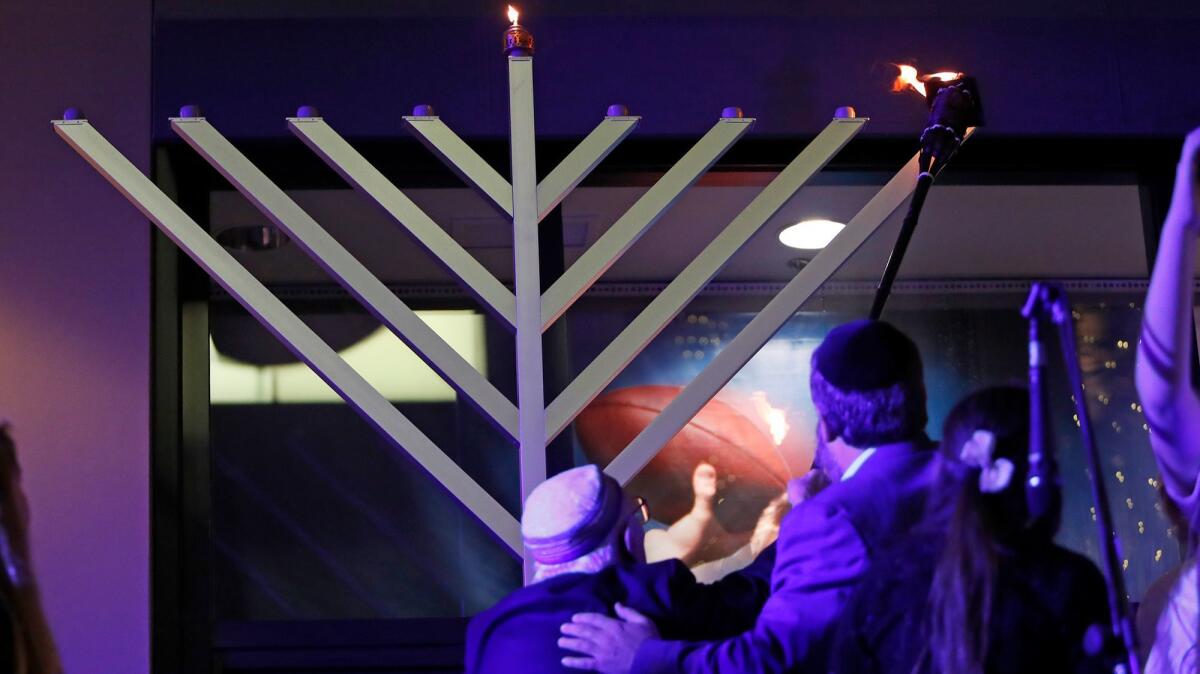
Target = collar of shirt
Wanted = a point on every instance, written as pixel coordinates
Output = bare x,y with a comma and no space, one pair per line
857,463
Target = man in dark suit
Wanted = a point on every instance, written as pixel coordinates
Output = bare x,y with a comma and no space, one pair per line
868,388
585,537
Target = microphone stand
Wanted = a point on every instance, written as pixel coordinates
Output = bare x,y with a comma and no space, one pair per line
1049,301
954,106
1043,488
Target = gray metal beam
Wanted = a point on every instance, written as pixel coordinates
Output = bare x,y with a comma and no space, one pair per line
287,327
351,165
579,163
664,307
347,270
464,161
639,218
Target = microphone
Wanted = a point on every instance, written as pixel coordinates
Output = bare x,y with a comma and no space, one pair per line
1043,498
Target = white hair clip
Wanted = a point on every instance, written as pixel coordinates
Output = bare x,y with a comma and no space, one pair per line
976,452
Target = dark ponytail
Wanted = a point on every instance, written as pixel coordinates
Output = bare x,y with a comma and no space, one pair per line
983,524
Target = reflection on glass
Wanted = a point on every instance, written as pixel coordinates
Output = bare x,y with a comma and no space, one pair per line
381,358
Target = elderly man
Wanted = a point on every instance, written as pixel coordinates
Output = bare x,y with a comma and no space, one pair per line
585,537
869,391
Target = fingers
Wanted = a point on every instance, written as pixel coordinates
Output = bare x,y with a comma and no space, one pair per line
581,630
578,645
629,615
1190,155
1192,142
594,619
587,664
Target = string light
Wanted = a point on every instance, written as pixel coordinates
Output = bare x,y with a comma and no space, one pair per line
1158,555
1120,477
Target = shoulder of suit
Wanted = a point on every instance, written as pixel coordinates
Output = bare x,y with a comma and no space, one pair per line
827,505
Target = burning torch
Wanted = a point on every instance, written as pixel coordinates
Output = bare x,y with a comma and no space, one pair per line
954,107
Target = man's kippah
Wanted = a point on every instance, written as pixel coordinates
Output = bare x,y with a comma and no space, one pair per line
867,355
570,514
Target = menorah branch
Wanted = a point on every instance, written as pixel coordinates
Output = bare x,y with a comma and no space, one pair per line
579,163
464,161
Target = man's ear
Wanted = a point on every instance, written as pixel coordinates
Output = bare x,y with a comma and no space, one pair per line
827,432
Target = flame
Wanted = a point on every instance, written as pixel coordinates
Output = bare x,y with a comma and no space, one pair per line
945,76
513,14
909,78
774,417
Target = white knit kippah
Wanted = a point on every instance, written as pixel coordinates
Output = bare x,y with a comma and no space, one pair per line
570,514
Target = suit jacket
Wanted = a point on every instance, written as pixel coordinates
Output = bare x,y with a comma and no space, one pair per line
825,547
520,633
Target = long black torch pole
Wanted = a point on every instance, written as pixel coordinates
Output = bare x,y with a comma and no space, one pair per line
884,289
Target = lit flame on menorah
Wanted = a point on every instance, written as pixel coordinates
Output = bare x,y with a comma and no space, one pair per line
528,311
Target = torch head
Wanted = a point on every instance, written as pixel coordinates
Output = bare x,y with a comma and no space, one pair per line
954,106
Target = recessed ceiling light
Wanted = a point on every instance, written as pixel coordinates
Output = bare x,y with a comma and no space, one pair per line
810,234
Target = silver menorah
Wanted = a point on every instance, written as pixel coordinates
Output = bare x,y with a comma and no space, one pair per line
526,310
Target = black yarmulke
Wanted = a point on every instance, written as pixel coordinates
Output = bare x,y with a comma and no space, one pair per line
867,355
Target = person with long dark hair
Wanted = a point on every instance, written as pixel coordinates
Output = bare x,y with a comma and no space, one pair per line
989,593
26,644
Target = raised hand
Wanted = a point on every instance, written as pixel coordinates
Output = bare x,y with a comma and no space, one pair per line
608,644
1185,201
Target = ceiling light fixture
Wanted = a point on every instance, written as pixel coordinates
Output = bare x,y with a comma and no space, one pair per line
810,234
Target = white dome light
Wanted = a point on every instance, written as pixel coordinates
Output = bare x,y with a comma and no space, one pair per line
810,234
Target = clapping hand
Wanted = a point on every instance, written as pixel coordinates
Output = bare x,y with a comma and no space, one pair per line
608,644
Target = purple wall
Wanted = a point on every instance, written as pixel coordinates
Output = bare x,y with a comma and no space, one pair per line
74,320
1071,74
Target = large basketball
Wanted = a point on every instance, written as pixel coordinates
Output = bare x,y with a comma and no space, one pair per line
725,433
